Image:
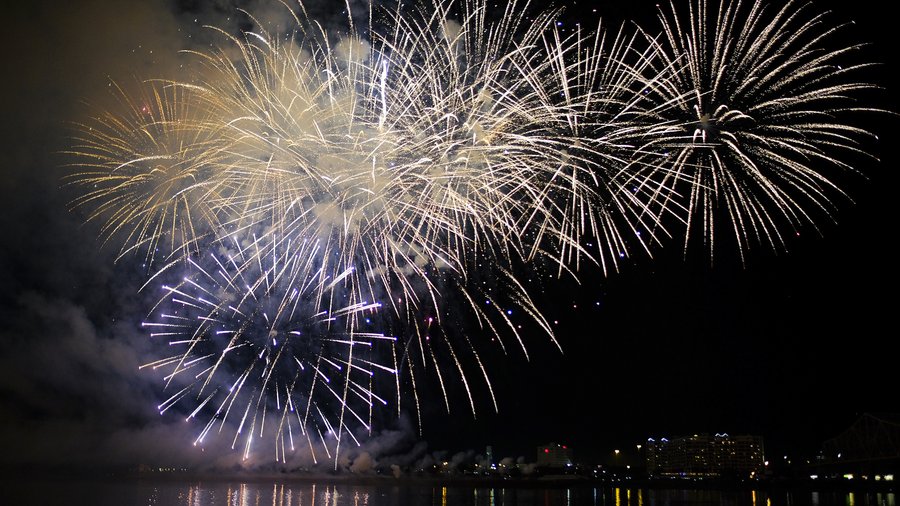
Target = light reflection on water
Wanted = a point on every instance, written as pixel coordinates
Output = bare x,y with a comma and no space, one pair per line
222,493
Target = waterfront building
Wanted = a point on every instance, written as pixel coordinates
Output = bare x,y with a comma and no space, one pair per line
554,455
702,455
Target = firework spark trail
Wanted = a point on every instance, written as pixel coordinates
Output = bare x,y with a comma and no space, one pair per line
427,166
146,171
756,125
262,326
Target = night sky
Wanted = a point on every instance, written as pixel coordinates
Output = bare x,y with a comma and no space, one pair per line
791,345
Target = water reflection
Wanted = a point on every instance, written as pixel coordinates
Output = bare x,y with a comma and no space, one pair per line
147,493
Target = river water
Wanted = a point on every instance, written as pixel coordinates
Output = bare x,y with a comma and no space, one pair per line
224,493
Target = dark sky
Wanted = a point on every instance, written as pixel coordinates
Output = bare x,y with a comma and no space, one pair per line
792,346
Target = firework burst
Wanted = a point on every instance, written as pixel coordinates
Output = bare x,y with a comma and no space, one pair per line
145,171
265,340
753,122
